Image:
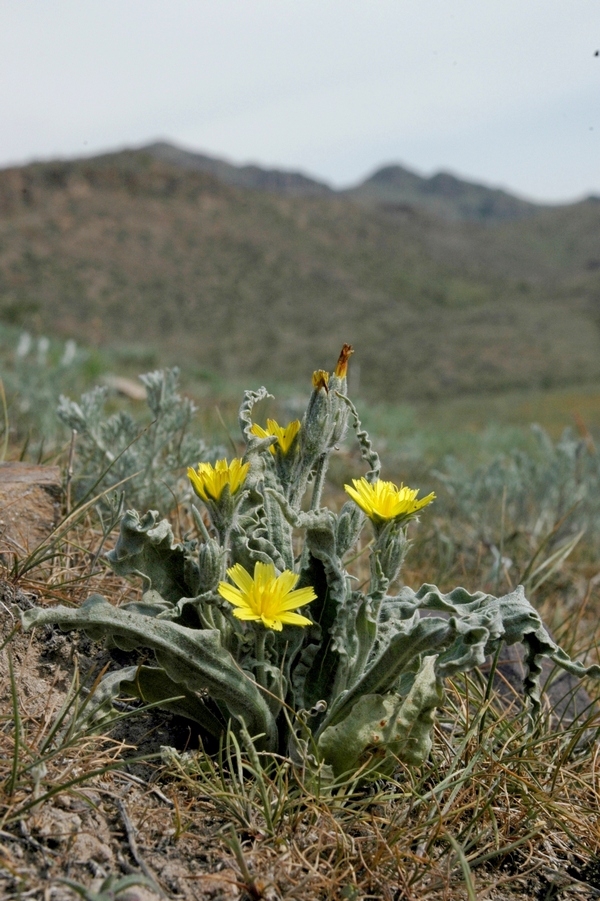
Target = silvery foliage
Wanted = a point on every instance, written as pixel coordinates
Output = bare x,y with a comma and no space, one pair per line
550,484
357,689
33,378
148,459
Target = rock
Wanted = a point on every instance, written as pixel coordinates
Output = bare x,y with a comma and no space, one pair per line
126,387
85,847
29,506
57,826
562,693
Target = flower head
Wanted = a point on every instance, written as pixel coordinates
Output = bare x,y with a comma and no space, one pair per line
383,501
320,379
209,481
267,598
285,434
342,363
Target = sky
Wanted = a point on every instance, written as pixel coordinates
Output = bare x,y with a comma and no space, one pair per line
503,92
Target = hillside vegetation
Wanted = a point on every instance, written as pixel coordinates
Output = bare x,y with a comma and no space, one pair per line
267,284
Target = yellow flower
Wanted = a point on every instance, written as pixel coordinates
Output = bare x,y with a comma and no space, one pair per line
267,597
320,379
342,363
383,501
285,435
208,482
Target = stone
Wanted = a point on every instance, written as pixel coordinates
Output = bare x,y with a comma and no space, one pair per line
30,506
125,387
562,693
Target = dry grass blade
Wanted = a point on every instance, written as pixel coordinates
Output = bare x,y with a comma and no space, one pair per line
47,550
464,865
490,800
6,437
490,808
552,563
12,780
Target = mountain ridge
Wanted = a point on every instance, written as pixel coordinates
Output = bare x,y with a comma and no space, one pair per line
245,176
444,195
390,187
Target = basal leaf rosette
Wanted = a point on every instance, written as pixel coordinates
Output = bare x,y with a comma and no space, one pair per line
218,486
266,597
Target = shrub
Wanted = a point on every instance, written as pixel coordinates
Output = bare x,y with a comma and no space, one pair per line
350,684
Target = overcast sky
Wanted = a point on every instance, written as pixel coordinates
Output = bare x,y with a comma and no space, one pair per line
506,92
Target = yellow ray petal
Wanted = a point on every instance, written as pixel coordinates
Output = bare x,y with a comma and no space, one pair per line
295,619
298,599
231,594
241,577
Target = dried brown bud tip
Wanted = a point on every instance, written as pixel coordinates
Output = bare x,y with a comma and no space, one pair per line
342,363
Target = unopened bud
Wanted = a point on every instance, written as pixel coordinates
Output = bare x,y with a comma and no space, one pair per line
342,363
320,380
210,562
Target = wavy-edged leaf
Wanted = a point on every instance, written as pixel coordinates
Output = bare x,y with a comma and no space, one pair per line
385,727
194,658
146,547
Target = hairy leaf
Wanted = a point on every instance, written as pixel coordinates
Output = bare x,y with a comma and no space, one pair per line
194,658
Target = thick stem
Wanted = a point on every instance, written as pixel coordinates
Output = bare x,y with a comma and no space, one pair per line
320,473
298,486
261,674
226,545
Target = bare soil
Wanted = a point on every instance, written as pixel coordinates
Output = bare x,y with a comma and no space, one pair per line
121,822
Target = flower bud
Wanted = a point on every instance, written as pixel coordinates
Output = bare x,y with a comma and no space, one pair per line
391,547
210,564
349,525
342,363
320,379
316,425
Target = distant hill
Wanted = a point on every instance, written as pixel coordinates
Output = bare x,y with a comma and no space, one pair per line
294,184
392,188
443,195
264,285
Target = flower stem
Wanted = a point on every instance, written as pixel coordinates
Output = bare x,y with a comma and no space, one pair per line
261,636
320,473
